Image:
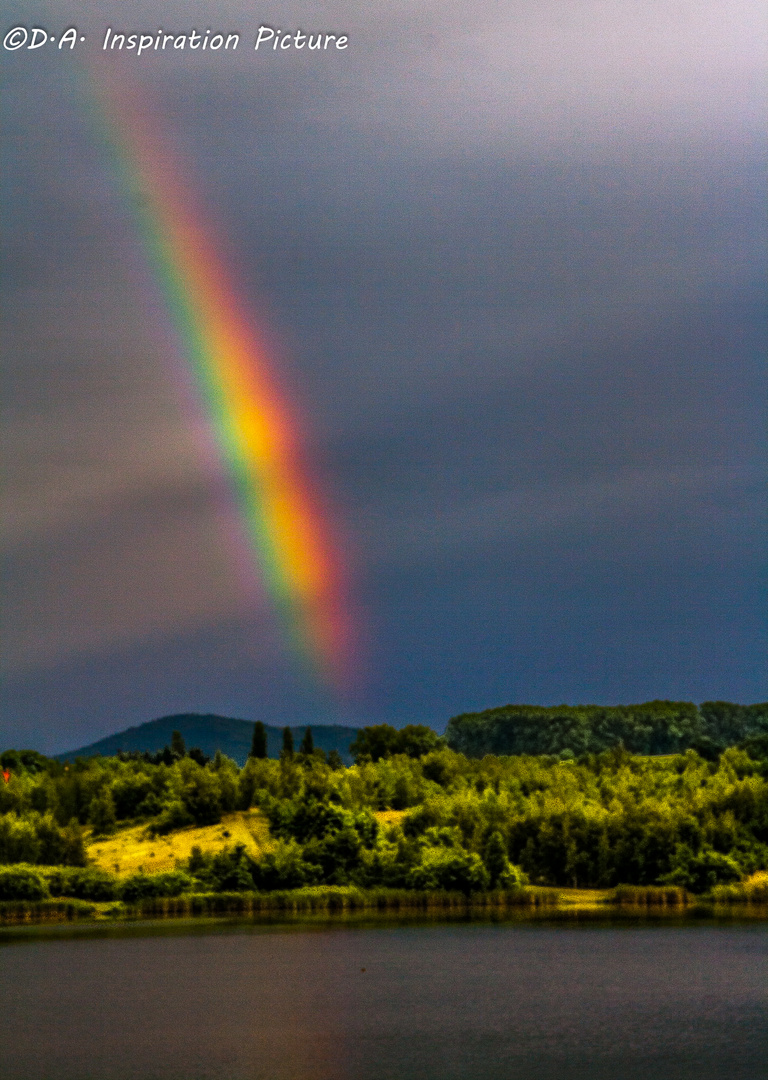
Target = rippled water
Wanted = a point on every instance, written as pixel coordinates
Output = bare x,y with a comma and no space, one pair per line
473,1001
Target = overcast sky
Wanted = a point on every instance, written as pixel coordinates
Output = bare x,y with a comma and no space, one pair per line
511,263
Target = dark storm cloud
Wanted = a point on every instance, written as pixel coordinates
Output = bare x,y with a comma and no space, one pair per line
511,262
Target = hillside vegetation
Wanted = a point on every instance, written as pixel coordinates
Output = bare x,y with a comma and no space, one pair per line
654,727
420,816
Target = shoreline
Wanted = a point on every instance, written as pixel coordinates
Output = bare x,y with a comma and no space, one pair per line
340,903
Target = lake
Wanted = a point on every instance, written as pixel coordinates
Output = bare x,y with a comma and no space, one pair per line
392,1002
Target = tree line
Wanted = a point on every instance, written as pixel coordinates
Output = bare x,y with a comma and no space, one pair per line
654,727
459,822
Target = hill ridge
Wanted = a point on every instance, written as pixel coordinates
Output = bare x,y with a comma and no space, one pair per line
212,732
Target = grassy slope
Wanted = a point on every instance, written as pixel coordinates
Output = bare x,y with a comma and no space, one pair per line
132,849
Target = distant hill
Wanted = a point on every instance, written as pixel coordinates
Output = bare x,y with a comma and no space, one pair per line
654,727
212,733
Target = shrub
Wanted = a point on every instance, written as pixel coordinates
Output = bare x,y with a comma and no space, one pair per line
285,868
22,883
129,792
702,870
140,886
310,818
501,873
452,869
201,795
18,840
102,814
229,870
441,766
430,813
174,816
73,850
150,806
338,854
86,883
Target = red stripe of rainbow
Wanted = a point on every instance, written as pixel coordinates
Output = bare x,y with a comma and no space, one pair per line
254,430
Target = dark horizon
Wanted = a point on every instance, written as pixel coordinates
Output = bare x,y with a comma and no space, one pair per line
171,719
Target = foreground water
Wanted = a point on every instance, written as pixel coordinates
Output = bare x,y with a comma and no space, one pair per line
479,1001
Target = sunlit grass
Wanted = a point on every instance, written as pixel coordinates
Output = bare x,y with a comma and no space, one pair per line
132,850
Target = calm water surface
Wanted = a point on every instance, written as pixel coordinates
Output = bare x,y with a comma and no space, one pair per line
486,1002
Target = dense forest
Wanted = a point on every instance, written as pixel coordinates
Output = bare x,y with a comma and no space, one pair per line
464,823
655,727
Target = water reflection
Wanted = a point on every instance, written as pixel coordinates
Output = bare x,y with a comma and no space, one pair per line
448,1002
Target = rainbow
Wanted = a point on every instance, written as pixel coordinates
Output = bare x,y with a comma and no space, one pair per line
255,432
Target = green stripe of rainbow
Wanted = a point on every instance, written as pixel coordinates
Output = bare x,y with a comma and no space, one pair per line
255,432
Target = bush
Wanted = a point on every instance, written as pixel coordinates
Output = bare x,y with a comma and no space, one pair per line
310,818
229,870
37,838
174,816
338,854
22,883
430,813
440,766
701,871
141,886
150,806
285,868
334,760
18,840
86,883
201,795
252,778
447,868
757,747
129,792
501,873
102,814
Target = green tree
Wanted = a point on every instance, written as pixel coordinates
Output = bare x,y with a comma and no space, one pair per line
382,741
197,755
416,740
495,858
287,743
259,741
20,883
201,796
700,871
375,742
178,746
307,743
74,853
102,814
448,868
129,791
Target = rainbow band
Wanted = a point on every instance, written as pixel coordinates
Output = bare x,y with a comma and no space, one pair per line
254,430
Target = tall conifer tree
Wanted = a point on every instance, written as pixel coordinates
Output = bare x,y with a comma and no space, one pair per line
178,746
259,741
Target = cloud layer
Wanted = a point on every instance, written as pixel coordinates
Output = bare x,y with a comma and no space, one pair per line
510,266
